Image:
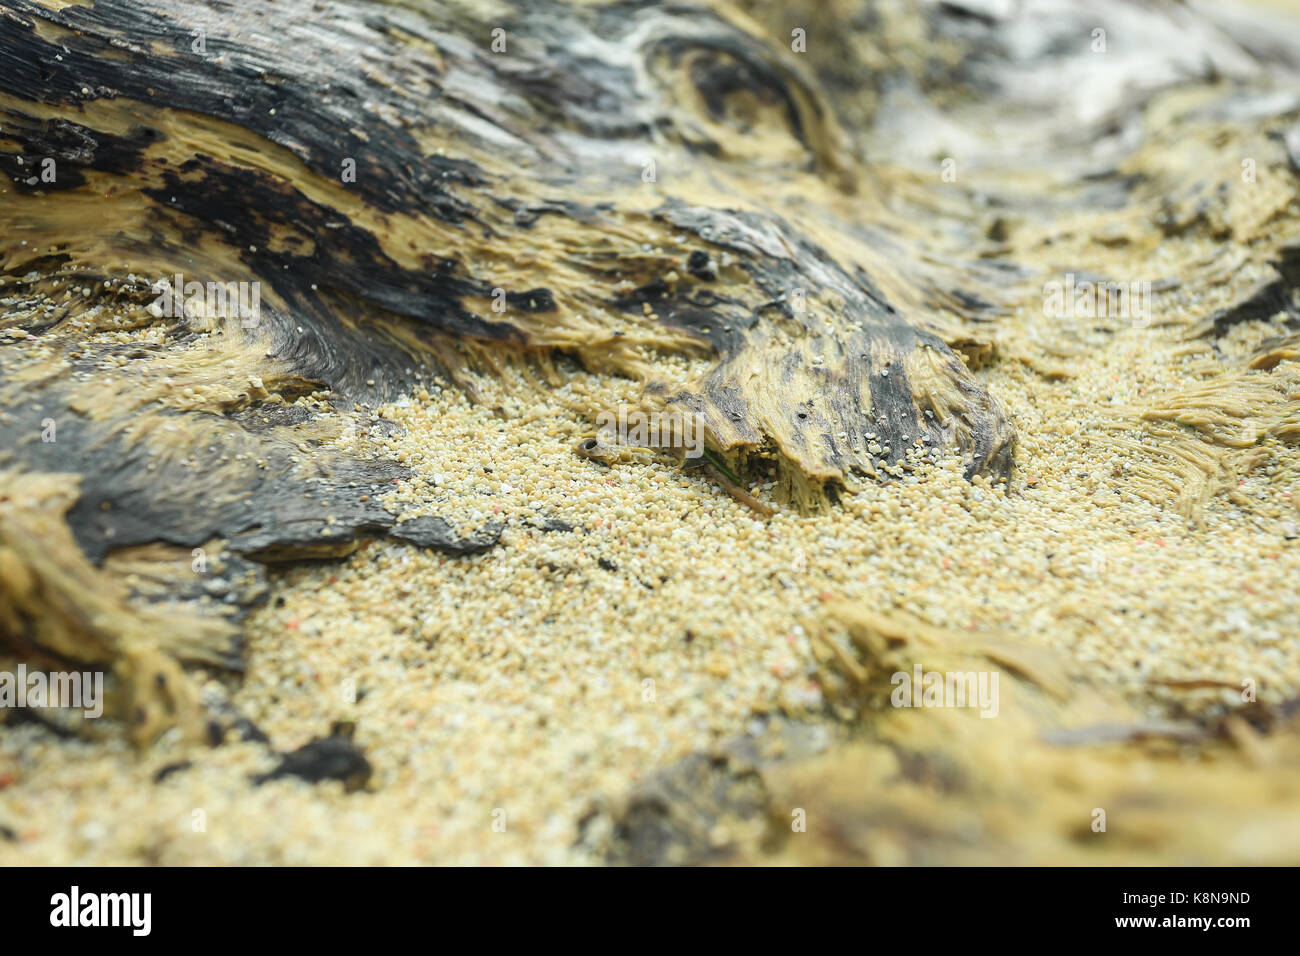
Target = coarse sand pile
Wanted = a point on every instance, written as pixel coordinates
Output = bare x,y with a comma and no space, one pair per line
637,615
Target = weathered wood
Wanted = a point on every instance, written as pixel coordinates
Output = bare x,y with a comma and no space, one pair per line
477,170
418,189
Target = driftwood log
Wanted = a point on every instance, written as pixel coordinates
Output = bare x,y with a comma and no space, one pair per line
418,189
